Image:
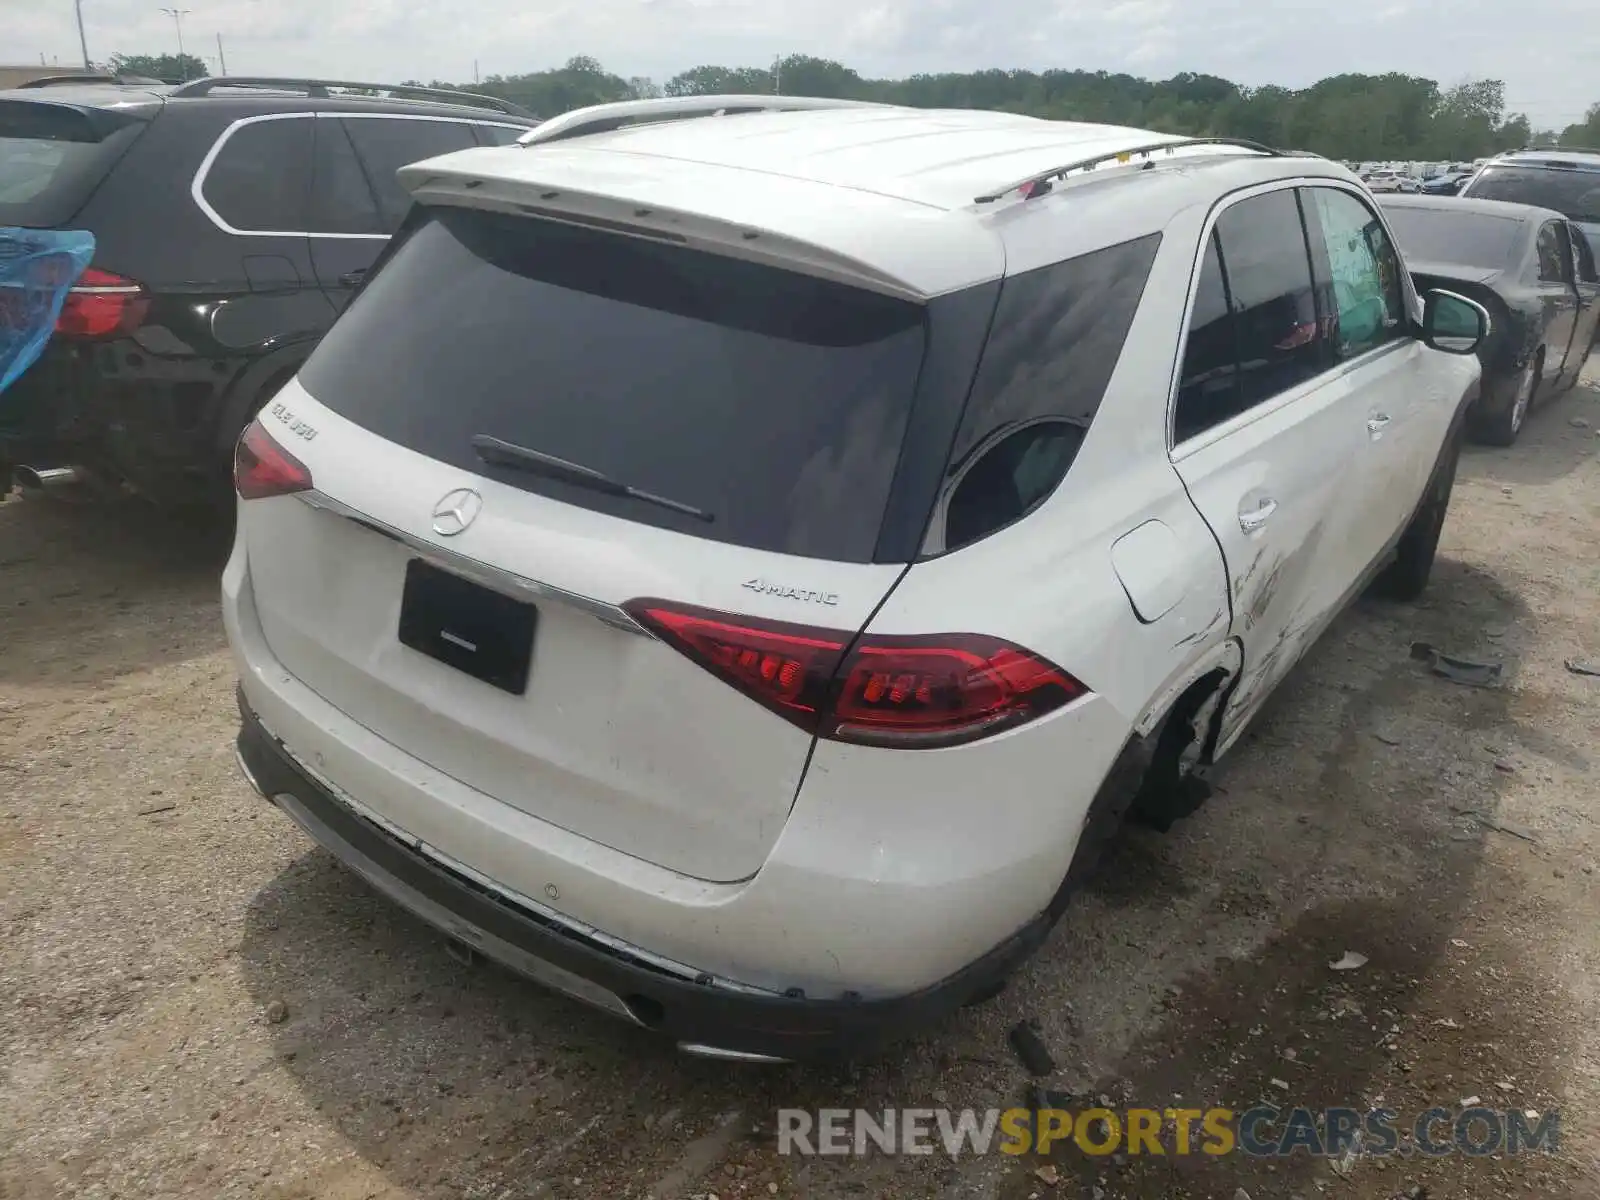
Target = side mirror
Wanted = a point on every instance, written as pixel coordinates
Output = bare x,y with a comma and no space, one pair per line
1453,323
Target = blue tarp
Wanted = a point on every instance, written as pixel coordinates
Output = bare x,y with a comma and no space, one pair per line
37,267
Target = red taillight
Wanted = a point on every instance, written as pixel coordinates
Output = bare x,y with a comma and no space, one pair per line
937,691
102,305
907,692
262,468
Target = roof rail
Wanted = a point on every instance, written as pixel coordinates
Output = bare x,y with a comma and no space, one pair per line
1553,150
603,118
1039,184
45,81
319,89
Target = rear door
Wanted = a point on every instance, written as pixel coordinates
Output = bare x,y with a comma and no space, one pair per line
1266,438
765,410
385,142
1559,295
1588,283
347,233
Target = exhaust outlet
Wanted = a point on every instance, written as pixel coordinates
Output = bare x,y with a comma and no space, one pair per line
46,479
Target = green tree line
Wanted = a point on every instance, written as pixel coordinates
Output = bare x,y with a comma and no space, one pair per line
1367,117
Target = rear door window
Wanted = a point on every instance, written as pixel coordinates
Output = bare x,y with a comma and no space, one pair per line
1208,386
260,181
1281,342
1057,334
386,144
773,401
52,156
341,200
1259,264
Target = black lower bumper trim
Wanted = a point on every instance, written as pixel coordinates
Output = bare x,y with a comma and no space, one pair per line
784,1027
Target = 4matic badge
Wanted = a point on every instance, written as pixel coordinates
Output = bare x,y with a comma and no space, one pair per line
767,588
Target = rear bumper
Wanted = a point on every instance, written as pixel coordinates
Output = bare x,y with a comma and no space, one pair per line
702,1015
152,425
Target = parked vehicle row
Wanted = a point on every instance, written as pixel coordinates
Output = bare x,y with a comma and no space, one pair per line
232,219
1533,270
788,726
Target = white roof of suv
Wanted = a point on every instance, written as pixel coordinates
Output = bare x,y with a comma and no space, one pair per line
903,200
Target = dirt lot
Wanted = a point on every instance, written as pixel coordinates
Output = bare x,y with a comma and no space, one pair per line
195,1002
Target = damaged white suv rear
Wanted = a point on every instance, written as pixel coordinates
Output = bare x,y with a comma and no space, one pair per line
737,558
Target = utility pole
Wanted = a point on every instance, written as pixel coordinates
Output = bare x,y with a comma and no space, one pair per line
177,15
777,75
222,59
476,78
83,42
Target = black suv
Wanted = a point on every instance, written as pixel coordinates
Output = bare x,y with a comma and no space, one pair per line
1565,178
232,218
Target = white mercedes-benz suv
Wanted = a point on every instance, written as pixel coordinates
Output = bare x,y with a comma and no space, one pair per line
736,558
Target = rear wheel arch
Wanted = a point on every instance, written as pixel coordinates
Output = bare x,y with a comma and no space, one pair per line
258,383
1152,763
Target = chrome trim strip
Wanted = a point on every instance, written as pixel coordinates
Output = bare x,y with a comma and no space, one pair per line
197,186
491,577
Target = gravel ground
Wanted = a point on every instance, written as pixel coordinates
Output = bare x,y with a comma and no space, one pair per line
194,1001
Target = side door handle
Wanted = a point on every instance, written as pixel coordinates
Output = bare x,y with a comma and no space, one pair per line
352,278
1252,519
1376,424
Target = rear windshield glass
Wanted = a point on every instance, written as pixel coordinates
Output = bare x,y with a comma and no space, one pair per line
51,158
1438,235
773,401
1574,193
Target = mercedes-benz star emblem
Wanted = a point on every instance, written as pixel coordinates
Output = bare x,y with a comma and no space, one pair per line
456,511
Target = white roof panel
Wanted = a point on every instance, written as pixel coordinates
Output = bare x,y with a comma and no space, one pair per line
876,195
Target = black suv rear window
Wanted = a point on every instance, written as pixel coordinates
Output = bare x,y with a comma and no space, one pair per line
1575,193
774,401
52,157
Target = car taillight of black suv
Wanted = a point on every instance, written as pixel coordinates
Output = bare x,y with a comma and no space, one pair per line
233,218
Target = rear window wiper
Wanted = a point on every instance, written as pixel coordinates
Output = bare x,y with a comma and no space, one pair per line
508,454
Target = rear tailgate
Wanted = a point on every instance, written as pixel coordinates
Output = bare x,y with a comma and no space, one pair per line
773,402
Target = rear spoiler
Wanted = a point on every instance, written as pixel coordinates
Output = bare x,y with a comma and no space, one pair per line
873,242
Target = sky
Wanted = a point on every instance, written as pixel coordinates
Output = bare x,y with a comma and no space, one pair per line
1547,51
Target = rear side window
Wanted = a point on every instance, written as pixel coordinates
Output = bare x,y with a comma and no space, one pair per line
1056,337
775,402
386,144
52,157
260,181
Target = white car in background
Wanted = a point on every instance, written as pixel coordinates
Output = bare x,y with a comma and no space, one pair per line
737,558
1389,180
